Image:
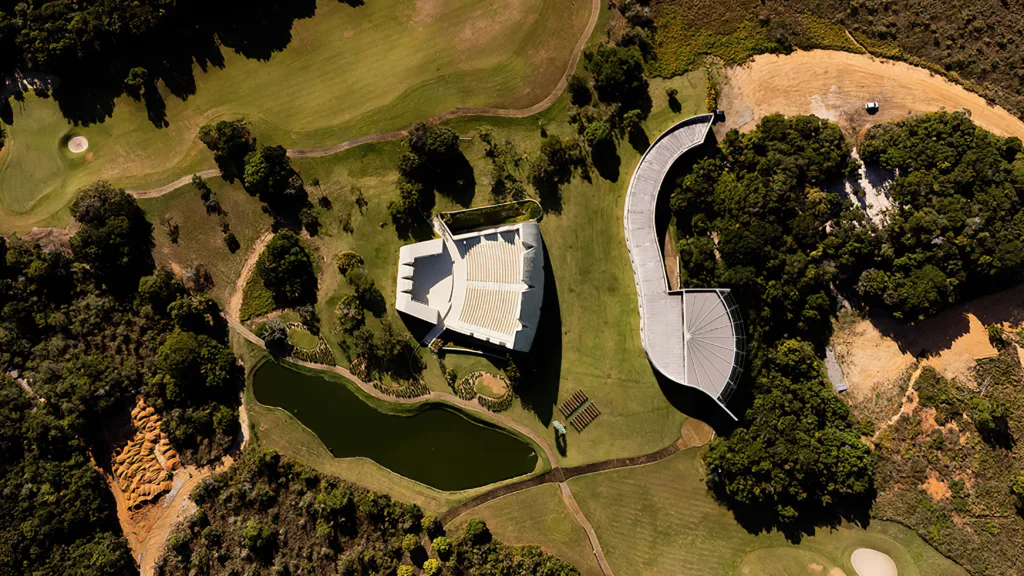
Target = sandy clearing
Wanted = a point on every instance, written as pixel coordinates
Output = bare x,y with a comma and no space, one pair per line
491,385
836,85
694,433
959,358
868,562
147,529
868,358
78,144
935,487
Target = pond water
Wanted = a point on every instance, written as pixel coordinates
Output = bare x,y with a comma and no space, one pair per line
438,446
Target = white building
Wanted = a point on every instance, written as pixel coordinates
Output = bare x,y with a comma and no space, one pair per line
488,284
694,337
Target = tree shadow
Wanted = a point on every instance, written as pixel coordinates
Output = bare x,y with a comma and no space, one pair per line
540,380
457,181
936,334
674,105
638,140
606,161
6,111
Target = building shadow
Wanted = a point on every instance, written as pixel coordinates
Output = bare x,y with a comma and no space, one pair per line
541,369
696,404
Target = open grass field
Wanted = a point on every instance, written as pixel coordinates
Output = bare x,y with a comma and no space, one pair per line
199,234
348,72
659,519
536,516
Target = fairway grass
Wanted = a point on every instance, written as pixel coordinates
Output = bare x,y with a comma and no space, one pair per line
660,519
347,72
536,516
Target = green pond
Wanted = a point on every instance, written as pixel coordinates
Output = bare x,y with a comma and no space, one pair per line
439,446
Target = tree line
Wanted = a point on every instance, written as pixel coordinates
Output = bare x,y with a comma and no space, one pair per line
105,48
270,514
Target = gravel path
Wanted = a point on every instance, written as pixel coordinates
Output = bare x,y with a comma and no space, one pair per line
595,12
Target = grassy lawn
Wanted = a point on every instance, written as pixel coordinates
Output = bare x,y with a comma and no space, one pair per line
536,516
347,72
200,238
659,519
303,339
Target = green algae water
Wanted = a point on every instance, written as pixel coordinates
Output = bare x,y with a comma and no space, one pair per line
438,446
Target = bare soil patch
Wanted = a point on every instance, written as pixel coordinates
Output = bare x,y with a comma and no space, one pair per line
836,85
491,386
694,433
869,359
935,487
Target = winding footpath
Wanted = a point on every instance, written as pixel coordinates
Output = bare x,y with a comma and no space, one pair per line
581,43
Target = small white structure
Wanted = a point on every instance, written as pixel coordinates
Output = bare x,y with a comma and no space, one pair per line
488,284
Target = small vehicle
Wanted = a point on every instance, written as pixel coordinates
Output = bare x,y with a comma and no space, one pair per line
871,107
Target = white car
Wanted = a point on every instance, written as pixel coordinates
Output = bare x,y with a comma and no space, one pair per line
871,107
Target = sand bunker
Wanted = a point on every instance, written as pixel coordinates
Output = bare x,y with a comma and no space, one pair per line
78,144
868,562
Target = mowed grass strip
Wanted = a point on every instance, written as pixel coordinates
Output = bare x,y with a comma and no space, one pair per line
660,519
536,516
347,72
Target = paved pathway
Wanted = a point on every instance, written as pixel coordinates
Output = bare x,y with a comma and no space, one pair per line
581,43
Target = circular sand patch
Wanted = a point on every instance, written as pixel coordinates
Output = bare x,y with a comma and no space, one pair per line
491,385
868,562
78,144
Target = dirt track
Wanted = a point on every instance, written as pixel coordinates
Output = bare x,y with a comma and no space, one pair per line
836,85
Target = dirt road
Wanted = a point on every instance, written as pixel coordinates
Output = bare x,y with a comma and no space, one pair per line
836,85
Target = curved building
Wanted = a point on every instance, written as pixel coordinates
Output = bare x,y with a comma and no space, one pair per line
488,284
694,337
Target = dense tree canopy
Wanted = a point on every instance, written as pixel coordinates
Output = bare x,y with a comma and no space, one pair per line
87,344
958,224
619,75
268,514
58,516
115,239
286,268
432,163
798,457
230,142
